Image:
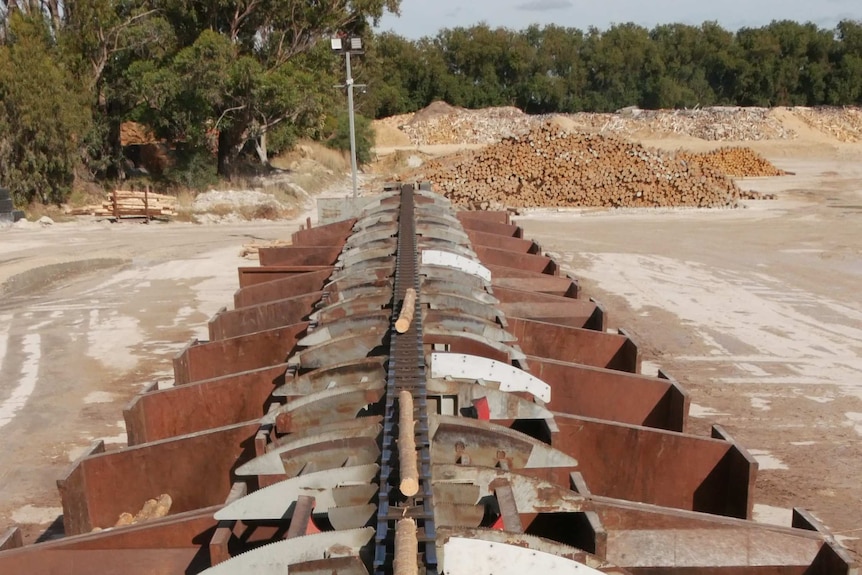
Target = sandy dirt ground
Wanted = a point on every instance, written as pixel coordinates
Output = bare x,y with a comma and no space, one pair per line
91,315
755,311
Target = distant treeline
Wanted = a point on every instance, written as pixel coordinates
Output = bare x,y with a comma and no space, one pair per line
227,84
555,69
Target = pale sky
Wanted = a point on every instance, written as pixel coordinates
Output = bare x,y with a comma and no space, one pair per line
424,18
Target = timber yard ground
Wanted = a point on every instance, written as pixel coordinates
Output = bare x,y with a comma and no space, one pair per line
756,311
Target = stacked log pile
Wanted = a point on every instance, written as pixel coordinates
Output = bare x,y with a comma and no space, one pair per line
551,167
736,162
130,204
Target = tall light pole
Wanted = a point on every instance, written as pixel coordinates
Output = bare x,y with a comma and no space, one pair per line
351,46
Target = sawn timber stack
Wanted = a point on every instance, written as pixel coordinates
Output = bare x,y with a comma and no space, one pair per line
539,445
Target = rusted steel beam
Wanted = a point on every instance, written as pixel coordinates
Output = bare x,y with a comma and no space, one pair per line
249,276
208,360
508,507
490,227
168,545
100,486
219,546
332,234
299,255
576,345
205,404
294,285
586,315
709,543
498,216
271,315
613,395
508,243
301,517
457,344
543,284
659,467
11,539
531,262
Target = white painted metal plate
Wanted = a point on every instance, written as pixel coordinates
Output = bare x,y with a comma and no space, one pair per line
463,366
478,557
276,557
274,501
451,260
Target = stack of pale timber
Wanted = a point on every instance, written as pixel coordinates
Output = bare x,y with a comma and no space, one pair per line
843,124
737,162
251,250
552,167
131,204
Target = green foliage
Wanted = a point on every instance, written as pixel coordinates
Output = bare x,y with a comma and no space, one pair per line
193,168
233,81
340,140
553,69
42,115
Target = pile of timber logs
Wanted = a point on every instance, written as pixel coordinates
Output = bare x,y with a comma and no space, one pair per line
551,167
735,162
251,250
131,204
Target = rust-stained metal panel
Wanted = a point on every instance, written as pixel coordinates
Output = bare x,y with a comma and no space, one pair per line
206,360
588,463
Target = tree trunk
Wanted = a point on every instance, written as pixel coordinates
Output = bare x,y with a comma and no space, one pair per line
260,147
227,154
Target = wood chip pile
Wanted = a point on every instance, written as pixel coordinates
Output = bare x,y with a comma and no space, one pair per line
711,124
440,123
843,124
554,168
736,162
130,204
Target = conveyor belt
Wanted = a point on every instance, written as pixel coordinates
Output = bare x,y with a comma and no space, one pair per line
406,370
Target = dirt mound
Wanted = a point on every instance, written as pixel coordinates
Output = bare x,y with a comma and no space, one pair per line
433,111
551,167
389,136
736,162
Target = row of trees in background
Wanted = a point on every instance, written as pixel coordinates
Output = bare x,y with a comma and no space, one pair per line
555,69
213,79
238,80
